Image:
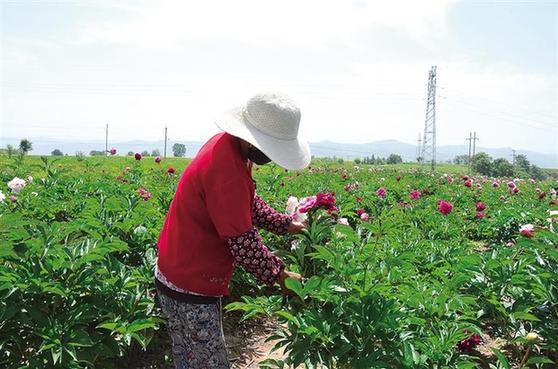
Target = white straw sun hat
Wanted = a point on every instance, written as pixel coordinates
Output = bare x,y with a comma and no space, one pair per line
270,122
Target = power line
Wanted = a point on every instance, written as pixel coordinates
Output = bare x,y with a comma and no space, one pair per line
530,111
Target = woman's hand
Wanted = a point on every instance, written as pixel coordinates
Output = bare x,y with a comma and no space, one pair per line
297,227
284,275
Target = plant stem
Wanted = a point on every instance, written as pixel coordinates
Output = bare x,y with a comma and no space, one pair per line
525,357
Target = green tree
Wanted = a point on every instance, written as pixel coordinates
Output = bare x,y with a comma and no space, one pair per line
155,152
482,163
10,150
461,159
357,161
394,159
502,168
130,153
25,146
537,173
57,152
179,150
145,153
522,162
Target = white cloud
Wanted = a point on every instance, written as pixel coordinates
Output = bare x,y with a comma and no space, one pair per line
312,23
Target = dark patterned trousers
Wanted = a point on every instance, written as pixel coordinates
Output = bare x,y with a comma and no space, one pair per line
196,332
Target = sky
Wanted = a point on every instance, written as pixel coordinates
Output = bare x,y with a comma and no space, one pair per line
358,69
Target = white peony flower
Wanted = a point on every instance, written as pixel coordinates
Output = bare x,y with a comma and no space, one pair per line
140,230
16,184
294,244
292,204
292,209
343,221
2,196
29,179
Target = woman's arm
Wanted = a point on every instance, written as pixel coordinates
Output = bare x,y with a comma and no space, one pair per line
249,251
264,216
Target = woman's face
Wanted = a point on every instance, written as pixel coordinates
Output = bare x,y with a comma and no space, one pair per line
257,156
253,153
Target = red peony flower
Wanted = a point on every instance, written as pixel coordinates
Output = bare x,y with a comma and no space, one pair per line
113,151
470,343
326,200
468,183
542,195
381,192
171,170
480,206
137,156
445,207
480,214
158,159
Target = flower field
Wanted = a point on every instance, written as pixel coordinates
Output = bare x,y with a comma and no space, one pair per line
402,268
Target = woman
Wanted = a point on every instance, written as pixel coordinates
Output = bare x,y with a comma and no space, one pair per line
212,225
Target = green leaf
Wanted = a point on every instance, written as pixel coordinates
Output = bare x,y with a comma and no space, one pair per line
295,286
501,358
140,324
525,316
539,360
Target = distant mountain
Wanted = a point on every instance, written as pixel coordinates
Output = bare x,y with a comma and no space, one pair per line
319,149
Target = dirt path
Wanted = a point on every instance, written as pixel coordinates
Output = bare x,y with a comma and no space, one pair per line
246,343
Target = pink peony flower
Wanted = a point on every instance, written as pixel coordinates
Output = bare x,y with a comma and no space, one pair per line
364,217
351,187
306,204
158,159
13,198
511,184
360,212
495,184
113,151
468,183
137,156
480,206
445,207
146,195
415,195
171,170
381,192
527,230
480,214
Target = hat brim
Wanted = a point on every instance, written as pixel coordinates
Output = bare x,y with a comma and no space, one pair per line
289,154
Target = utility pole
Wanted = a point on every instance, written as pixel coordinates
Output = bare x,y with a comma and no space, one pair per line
165,150
469,157
106,140
418,148
428,152
474,144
